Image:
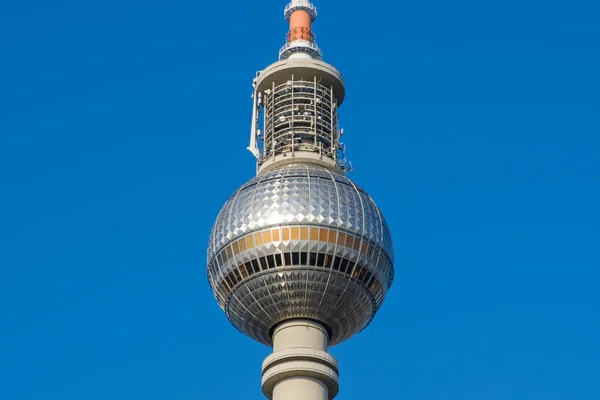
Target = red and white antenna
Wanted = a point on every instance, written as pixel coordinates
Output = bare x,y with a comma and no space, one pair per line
300,39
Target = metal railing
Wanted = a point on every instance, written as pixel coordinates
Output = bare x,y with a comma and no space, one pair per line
300,46
305,5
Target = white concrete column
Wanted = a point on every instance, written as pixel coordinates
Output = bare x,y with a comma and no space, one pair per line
300,55
299,333
300,388
300,367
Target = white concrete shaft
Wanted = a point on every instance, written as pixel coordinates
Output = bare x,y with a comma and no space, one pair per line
299,333
300,367
300,55
276,161
300,388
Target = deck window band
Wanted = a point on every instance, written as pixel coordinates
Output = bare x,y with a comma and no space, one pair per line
272,235
322,260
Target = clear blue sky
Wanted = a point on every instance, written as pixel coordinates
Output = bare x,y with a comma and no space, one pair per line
123,127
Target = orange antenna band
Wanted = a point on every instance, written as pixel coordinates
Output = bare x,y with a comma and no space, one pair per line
300,27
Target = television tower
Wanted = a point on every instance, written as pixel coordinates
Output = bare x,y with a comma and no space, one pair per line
300,258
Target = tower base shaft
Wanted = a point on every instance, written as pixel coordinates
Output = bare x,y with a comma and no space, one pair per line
300,367
300,388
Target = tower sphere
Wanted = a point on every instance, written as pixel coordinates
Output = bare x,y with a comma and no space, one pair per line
300,241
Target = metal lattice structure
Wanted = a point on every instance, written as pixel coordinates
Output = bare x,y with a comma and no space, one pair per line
300,115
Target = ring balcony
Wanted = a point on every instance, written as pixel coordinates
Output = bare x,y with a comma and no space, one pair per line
300,46
304,5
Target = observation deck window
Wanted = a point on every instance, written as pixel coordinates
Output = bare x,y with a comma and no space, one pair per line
360,266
